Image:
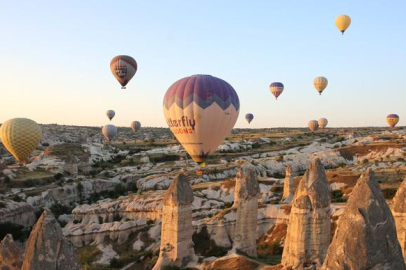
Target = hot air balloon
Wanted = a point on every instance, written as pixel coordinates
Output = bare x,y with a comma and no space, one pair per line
123,68
249,117
392,120
135,126
320,83
110,132
313,125
201,111
322,123
20,136
110,114
343,22
276,89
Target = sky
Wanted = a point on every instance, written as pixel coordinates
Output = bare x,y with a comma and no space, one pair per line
55,56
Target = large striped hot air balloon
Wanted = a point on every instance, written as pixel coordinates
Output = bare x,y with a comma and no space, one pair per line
201,110
320,83
123,68
110,132
249,117
343,22
322,123
135,126
20,136
110,114
313,125
276,89
392,120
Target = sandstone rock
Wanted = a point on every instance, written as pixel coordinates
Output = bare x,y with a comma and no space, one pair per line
398,207
10,254
309,226
47,248
288,188
20,213
177,230
366,235
246,202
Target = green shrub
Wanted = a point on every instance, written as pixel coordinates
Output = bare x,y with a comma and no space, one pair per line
58,176
207,247
59,209
365,161
2,205
116,263
17,231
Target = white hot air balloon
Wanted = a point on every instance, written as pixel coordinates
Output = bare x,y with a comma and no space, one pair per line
320,83
110,132
322,123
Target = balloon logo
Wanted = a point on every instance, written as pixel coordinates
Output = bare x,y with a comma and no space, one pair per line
320,83
322,123
123,68
343,22
392,120
313,125
110,114
110,132
135,126
217,104
20,136
276,89
249,117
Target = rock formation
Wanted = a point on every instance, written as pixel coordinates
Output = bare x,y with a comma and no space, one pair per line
177,230
10,254
246,202
288,188
20,213
47,248
309,226
398,207
366,235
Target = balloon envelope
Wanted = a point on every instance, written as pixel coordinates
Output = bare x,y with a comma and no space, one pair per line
320,83
110,132
313,125
135,126
110,114
201,110
322,122
343,22
249,117
392,119
20,136
123,68
276,89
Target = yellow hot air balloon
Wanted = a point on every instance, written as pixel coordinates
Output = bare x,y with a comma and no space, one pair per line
392,120
20,136
320,83
201,111
343,22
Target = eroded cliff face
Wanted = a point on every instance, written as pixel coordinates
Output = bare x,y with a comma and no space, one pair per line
177,248
246,203
47,248
20,213
309,227
398,207
10,254
366,235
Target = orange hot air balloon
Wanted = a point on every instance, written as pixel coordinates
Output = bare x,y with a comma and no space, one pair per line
123,68
322,123
313,125
392,120
201,111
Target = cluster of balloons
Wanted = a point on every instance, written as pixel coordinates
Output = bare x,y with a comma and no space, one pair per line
123,68
110,131
314,125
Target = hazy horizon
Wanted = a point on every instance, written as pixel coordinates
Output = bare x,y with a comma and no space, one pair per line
55,59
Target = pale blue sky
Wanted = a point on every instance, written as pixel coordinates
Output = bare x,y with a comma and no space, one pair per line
55,55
